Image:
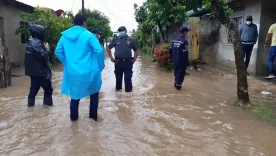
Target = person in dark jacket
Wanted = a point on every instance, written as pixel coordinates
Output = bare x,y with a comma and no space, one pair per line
179,53
98,34
36,65
249,35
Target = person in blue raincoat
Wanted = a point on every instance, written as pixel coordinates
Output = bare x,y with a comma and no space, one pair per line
179,53
83,58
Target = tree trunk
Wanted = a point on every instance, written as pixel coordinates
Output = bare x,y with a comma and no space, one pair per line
161,31
242,86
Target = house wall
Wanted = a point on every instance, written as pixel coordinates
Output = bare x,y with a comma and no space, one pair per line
225,54
172,32
208,39
268,17
11,21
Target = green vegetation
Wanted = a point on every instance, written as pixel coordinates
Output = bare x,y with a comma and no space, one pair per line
261,110
265,112
55,25
97,20
163,13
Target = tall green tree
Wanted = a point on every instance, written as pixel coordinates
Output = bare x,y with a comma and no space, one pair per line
97,20
162,13
55,25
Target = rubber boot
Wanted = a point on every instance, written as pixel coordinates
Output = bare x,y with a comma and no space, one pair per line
48,100
31,102
128,90
178,87
94,102
93,117
74,110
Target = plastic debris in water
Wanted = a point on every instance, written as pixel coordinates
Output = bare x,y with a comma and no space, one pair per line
266,93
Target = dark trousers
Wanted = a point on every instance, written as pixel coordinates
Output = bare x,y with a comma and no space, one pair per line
179,74
124,68
271,58
36,83
93,111
247,51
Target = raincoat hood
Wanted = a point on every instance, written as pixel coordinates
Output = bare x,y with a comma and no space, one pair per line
73,33
37,31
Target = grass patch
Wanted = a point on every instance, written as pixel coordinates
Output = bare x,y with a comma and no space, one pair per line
235,102
260,109
263,111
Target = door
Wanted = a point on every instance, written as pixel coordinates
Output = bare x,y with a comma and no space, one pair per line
193,38
2,35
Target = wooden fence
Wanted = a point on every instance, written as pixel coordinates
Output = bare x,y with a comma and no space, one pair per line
5,67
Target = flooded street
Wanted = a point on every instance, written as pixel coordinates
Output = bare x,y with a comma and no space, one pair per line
153,120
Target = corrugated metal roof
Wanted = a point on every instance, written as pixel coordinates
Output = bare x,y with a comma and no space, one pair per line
19,4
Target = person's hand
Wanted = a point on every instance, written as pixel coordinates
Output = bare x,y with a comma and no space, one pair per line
46,45
265,46
112,59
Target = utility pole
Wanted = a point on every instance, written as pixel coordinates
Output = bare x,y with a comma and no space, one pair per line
83,7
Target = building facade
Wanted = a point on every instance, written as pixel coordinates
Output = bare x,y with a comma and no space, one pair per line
221,52
216,43
9,21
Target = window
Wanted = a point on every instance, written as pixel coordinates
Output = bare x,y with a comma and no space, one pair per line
24,37
239,21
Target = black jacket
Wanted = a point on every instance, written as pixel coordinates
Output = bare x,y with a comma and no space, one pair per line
36,59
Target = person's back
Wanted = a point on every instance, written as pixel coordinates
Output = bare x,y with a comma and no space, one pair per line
79,56
179,53
83,58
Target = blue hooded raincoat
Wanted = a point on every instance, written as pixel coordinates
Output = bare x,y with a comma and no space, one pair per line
83,58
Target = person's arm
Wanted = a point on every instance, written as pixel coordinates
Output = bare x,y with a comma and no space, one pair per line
41,51
170,50
240,30
98,50
267,39
268,36
109,47
59,52
135,49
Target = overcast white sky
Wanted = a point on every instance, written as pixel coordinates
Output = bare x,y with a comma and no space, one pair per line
120,12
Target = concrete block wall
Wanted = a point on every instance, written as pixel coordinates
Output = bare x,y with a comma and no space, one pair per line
225,54
268,17
10,16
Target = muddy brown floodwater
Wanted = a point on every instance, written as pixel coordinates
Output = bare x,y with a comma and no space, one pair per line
153,120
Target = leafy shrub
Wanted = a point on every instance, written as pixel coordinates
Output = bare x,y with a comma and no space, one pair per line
55,25
162,55
146,49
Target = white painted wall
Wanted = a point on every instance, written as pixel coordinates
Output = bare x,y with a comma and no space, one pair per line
225,54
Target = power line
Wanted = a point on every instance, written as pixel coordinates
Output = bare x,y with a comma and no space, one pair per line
110,11
73,5
120,3
121,9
